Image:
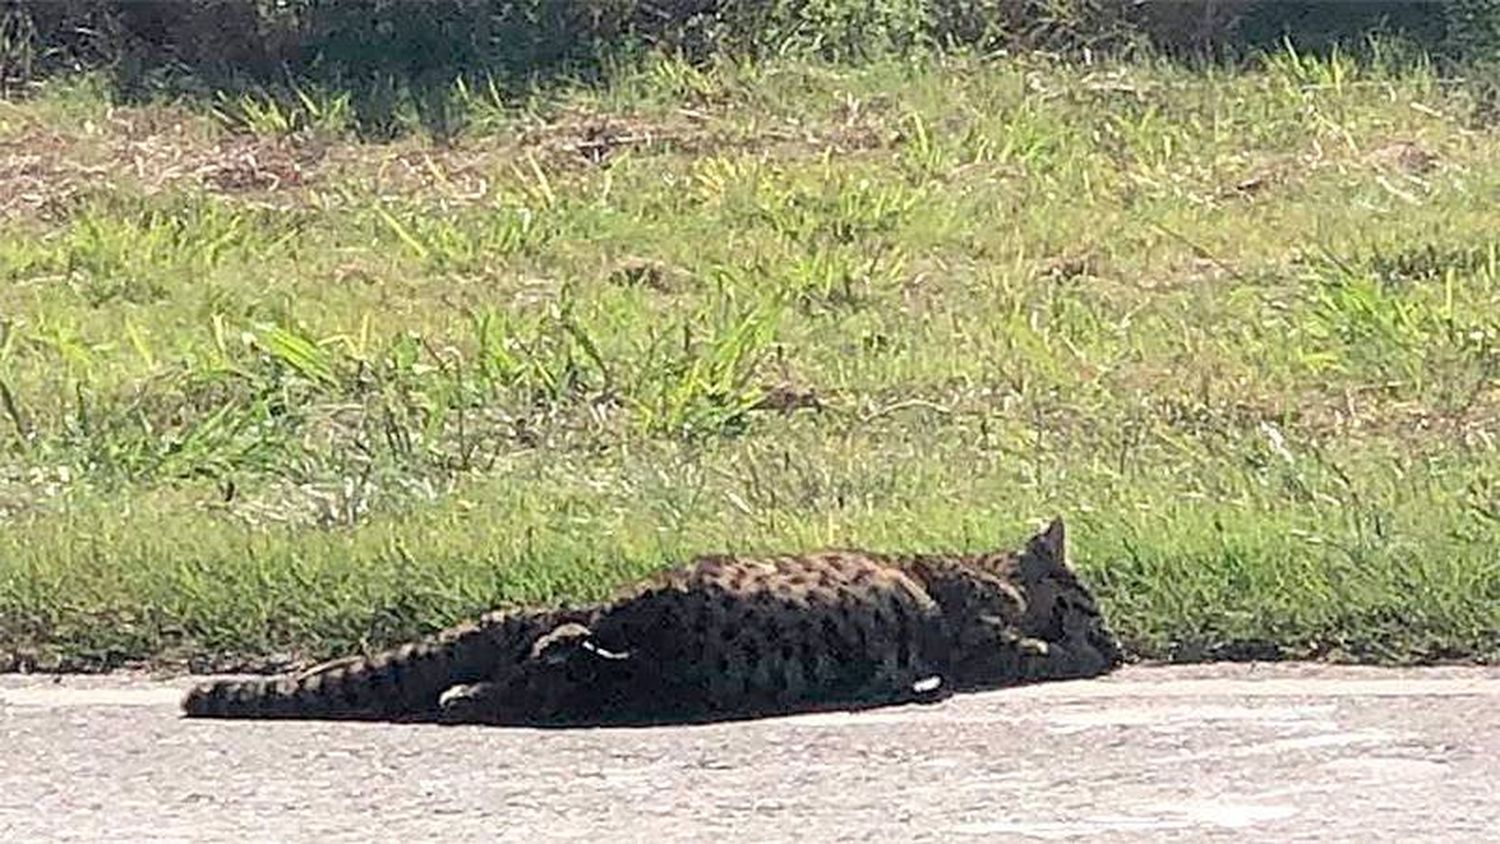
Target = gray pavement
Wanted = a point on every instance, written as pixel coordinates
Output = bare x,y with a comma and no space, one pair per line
1231,752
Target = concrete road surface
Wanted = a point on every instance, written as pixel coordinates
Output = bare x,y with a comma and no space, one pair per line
1232,752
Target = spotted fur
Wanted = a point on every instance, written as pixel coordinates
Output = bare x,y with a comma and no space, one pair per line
726,637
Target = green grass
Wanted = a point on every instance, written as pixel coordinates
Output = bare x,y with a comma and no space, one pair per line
267,393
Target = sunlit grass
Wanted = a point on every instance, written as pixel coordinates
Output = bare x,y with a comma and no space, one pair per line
266,390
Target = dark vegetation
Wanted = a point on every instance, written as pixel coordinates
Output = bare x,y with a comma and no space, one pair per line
390,53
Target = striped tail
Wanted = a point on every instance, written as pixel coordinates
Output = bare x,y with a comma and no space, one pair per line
404,683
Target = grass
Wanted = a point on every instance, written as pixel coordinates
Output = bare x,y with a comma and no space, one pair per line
269,394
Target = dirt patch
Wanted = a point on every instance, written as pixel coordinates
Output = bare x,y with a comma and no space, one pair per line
1404,157
787,397
46,172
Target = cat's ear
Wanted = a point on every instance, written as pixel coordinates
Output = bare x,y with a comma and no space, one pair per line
1050,542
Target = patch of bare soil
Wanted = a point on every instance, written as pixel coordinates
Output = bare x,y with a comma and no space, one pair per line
1405,157
44,172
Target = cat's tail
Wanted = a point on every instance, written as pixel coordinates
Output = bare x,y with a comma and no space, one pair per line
403,683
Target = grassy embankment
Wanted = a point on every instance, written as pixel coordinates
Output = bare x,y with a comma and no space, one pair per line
269,392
